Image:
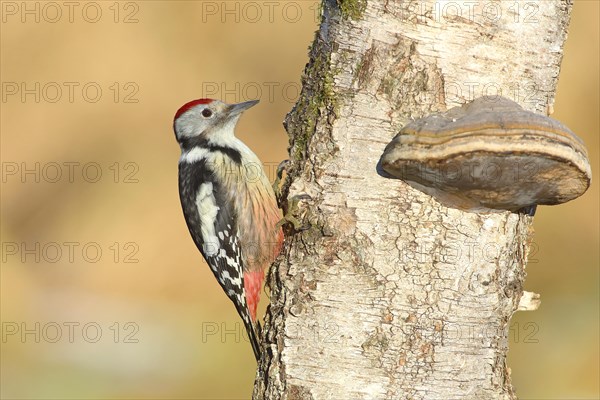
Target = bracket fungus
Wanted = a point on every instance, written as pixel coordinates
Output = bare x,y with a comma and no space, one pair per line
490,154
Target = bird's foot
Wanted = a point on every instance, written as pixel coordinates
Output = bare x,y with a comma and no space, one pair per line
280,168
291,215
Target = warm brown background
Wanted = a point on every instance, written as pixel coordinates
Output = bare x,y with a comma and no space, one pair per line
170,295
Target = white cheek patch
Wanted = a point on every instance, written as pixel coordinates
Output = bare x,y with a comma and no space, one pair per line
208,210
186,125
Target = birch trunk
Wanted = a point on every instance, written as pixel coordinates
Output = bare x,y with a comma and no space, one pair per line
388,294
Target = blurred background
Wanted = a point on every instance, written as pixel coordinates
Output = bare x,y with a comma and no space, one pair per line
104,294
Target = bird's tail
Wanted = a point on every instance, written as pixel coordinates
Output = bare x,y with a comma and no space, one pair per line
253,329
254,333
252,285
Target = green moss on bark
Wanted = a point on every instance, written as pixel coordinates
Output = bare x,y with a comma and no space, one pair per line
317,97
352,9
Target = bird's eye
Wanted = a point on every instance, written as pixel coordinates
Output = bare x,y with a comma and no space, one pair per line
206,113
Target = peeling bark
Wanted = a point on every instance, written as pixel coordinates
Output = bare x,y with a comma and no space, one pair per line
387,293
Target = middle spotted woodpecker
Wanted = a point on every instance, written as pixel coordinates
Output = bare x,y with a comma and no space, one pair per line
228,203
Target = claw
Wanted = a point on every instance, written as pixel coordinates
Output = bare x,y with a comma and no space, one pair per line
289,216
280,168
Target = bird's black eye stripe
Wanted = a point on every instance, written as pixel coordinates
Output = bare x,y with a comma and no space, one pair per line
206,113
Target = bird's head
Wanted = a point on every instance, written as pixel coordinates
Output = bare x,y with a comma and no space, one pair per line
207,120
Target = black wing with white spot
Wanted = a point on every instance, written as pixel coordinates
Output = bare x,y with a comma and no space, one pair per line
211,220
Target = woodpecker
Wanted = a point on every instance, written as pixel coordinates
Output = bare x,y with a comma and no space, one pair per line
228,203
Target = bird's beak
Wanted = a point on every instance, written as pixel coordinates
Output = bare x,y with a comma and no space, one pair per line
235,109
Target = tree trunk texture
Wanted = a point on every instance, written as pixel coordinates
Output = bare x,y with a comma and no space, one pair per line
386,293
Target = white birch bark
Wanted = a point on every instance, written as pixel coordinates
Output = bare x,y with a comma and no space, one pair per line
389,294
